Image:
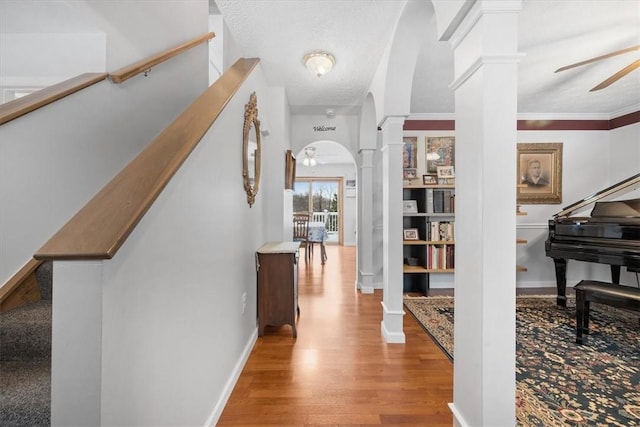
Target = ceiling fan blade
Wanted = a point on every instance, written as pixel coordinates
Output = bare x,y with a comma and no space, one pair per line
626,70
598,58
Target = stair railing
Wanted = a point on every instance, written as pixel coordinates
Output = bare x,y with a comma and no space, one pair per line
99,229
145,65
21,106
19,288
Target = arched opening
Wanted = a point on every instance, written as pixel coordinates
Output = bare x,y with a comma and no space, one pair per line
325,185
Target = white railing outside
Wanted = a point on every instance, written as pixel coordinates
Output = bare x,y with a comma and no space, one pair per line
329,218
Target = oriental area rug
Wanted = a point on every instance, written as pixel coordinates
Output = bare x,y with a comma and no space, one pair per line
560,383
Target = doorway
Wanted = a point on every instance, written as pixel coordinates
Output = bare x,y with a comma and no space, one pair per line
323,198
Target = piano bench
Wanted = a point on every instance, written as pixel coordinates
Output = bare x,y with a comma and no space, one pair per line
588,291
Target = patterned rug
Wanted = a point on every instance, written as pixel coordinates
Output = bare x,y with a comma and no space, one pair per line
558,382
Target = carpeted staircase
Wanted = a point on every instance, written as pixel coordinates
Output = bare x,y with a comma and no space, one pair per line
25,359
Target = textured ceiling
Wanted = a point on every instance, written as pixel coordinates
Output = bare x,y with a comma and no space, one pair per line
281,32
552,34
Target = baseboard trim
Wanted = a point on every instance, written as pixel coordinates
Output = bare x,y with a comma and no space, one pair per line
521,284
458,420
392,337
231,382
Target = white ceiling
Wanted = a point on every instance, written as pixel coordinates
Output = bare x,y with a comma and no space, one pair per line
553,33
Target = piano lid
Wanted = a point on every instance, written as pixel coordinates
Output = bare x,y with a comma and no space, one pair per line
628,184
617,209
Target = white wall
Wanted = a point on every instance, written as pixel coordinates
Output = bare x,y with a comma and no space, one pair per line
34,61
175,291
585,170
174,336
624,152
43,43
306,129
56,158
275,120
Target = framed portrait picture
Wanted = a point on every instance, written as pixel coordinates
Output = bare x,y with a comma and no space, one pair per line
539,173
411,234
351,183
429,179
409,206
439,151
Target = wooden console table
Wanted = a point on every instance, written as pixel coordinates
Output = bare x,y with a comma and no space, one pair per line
277,267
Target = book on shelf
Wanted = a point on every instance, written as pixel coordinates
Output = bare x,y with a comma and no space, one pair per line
440,201
440,230
440,257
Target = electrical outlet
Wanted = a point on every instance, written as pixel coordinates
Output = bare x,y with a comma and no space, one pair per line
244,302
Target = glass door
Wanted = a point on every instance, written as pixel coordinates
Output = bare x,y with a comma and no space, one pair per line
323,198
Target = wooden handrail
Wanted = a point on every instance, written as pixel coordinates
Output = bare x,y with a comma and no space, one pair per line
33,101
99,229
13,284
132,70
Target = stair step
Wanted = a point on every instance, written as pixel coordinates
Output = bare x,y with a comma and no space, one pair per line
25,332
25,393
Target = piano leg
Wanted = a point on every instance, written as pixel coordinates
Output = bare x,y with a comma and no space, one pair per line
615,274
561,281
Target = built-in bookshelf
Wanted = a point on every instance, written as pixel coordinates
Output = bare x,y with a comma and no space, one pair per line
429,234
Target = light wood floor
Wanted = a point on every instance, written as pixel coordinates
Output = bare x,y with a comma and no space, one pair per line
339,371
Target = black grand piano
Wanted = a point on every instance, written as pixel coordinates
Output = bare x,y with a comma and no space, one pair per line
610,235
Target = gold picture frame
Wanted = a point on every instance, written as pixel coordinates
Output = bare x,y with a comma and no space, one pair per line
289,170
539,167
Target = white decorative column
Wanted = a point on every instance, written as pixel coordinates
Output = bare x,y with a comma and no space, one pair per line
365,221
392,235
485,46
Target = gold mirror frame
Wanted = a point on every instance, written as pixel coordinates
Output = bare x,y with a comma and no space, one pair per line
251,120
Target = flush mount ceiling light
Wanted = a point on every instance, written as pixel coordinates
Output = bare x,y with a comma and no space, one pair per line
319,62
309,154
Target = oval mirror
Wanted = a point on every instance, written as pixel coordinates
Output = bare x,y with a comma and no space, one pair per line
251,149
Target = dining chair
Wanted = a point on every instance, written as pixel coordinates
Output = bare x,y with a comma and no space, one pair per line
301,232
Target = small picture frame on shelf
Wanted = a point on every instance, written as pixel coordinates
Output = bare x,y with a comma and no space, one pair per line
411,234
409,206
429,179
445,175
409,173
445,172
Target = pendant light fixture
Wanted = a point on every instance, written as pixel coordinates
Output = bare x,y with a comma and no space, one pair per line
309,154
